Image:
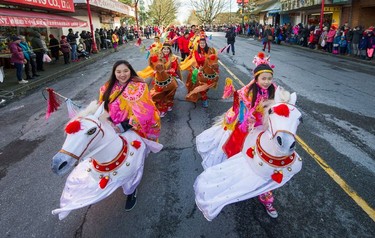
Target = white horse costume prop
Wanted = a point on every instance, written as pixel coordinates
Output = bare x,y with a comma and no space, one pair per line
267,161
108,160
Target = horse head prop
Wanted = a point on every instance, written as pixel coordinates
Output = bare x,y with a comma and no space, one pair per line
85,133
282,120
158,65
106,159
273,145
210,71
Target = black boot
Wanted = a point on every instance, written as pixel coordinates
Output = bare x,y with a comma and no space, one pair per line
131,201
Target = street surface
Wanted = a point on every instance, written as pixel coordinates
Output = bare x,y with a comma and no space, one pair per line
335,95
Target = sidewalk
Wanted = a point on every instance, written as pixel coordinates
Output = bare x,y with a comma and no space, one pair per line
352,58
11,90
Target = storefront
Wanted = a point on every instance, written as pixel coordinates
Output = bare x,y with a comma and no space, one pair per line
104,13
24,17
332,16
272,15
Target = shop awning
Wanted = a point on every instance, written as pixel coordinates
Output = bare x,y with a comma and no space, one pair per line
262,8
274,8
11,17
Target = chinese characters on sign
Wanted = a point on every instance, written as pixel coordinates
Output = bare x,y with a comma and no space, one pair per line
63,5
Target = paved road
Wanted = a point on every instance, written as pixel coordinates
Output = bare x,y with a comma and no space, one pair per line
333,94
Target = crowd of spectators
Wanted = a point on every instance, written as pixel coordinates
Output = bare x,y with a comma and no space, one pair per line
345,40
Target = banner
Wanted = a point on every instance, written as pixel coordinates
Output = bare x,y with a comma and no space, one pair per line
10,17
63,5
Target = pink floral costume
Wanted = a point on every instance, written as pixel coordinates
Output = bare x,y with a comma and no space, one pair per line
225,139
134,104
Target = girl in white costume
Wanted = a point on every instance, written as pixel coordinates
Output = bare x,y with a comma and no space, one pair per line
245,118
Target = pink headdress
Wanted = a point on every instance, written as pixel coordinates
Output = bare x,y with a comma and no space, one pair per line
260,58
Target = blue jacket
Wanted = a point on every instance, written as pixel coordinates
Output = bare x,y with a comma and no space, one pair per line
336,40
362,43
343,43
25,49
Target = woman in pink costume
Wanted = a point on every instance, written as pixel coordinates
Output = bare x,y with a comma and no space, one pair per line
127,99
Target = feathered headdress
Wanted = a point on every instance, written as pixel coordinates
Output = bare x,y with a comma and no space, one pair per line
261,58
262,64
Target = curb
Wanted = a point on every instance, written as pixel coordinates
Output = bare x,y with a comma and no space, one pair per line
53,76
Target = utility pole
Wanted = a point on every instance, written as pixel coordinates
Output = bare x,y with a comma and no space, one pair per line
243,17
94,46
230,11
321,16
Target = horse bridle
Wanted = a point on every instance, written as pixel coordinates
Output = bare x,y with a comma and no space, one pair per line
92,139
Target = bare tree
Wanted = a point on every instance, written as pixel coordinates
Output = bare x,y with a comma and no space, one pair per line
133,3
207,10
163,12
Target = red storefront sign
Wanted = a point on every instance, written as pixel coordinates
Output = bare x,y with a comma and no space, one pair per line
10,17
63,5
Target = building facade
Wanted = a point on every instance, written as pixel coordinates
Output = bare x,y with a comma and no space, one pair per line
307,12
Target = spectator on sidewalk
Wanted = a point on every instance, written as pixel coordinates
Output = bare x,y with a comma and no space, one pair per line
267,38
357,34
349,39
115,40
43,38
330,37
323,39
54,47
231,38
38,48
336,43
72,39
65,48
30,57
343,45
17,58
97,39
81,49
370,38
103,38
362,47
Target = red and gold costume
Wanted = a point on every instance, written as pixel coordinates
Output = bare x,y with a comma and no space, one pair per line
201,82
164,84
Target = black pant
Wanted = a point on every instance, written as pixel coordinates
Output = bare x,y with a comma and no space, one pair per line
29,63
231,47
184,55
66,57
39,60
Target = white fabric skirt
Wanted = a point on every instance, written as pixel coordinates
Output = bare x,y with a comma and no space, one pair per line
209,145
82,185
238,178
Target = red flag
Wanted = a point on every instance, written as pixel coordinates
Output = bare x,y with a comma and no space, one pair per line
224,48
53,102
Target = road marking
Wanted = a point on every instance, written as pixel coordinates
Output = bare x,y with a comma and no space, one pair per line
232,74
362,203
353,194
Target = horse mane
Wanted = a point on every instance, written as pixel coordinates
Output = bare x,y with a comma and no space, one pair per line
91,109
284,97
267,105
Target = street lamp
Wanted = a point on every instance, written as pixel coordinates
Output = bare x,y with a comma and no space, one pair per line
94,47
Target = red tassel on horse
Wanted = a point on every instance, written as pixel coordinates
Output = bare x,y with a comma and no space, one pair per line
53,102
